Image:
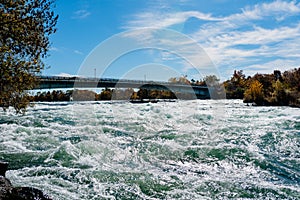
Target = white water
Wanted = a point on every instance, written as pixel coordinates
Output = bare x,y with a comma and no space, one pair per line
200,149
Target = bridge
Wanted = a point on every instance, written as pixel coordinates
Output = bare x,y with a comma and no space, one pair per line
58,82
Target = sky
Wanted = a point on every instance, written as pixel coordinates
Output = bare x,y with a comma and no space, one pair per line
159,39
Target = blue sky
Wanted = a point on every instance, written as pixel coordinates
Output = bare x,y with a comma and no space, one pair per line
253,36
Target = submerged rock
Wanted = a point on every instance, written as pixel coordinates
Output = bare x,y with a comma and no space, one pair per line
8,192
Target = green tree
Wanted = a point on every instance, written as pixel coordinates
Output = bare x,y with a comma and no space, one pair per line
279,96
25,26
235,87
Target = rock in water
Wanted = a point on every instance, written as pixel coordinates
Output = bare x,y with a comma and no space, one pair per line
27,193
3,168
5,188
8,192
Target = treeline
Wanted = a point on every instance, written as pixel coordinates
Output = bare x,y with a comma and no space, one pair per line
105,94
277,89
210,80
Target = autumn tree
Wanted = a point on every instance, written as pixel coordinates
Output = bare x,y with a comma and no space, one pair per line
106,94
172,80
266,80
254,93
154,94
180,80
25,27
235,87
143,93
183,80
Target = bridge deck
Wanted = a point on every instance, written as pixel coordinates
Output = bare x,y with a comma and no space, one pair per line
56,82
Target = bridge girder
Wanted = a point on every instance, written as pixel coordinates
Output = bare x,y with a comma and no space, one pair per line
201,92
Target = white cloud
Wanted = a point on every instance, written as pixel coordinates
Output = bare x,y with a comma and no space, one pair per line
258,35
78,52
54,49
280,9
165,20
269,67
81,14
280,42
174,46
167,4
66,75
237,38
158,19
246,19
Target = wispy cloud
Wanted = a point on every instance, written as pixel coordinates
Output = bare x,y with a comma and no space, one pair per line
160,19
259,42
279,9
78,52
81,14
167,4
240,38
268,67
165,20
54,49
258,35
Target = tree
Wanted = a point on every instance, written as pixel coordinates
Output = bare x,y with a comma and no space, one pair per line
254,93
172,80
182,80
84,95
211,80
143,94
106,94
266,80
235,87
292,79
279,96
25,27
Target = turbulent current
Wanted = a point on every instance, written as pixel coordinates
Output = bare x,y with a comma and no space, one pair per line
199,149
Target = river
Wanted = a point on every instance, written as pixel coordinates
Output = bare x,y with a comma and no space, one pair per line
198,149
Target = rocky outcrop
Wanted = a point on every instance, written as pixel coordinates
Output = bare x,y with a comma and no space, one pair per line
9,192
